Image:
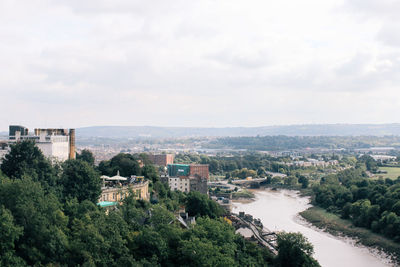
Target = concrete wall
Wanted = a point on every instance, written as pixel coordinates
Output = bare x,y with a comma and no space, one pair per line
55,150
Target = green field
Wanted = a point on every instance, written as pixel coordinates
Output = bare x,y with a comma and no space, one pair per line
392,172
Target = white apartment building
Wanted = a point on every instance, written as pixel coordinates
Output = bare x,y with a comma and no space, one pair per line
179,184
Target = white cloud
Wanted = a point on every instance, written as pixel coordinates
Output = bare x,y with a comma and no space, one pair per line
198,63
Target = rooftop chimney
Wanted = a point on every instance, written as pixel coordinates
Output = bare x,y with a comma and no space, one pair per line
72,153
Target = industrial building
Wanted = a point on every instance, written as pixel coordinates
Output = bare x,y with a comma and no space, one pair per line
55,144
162,159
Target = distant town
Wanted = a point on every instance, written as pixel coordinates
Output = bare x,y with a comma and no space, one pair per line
195,177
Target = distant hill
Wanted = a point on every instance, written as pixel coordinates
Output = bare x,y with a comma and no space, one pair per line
289,130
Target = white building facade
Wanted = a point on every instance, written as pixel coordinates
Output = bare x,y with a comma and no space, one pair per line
55,148
56,144
179,184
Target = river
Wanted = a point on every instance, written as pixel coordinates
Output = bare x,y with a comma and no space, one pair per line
278,211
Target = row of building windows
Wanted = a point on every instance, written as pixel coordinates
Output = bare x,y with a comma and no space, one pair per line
107,197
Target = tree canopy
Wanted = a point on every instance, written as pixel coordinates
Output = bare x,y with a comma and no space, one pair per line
294,250
79,180
86,155
26,160
40,226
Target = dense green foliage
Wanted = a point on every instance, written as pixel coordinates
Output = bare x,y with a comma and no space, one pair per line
294,250
26,160
238,165
198,204
374,204
126,164
80,181
129,164
86,155
65,227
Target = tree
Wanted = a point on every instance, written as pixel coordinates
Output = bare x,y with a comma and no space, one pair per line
148,244
304,181
290,181
160,216
202,252
38,213
294,250
370,163
126,164
26,159
9,234
86,155
261,172
79,180
198,204
150,172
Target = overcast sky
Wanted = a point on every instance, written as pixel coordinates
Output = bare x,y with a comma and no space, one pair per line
203,63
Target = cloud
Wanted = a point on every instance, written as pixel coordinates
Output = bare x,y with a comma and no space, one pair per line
384,12
376,8
198,63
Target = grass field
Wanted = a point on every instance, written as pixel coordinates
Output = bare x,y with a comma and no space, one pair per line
392,172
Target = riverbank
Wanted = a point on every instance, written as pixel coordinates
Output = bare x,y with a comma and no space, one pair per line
334,225
243,194
278,211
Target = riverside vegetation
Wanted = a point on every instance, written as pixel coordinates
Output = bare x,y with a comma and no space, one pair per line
366,203
49,217
348,202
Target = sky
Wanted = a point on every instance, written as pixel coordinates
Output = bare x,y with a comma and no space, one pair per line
206,63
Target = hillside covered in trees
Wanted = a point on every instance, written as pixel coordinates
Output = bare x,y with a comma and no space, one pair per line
373,204
49,217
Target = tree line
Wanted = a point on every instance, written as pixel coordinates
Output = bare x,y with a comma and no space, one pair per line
284,142
222,165
373,204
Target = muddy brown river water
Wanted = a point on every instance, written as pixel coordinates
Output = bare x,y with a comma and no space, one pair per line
278,211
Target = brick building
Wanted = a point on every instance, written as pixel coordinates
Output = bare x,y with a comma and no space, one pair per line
200,170
162,159
179,170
